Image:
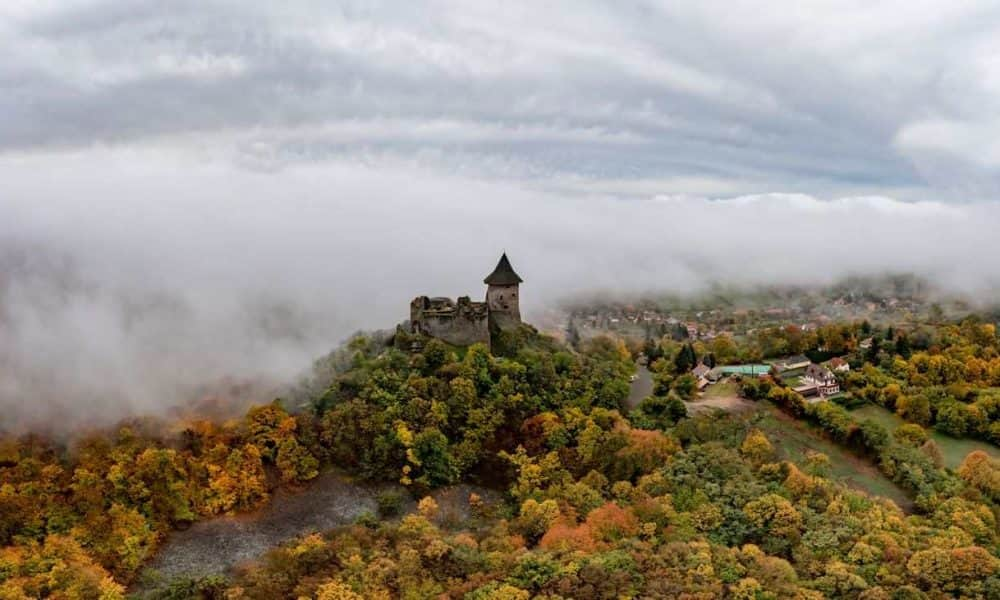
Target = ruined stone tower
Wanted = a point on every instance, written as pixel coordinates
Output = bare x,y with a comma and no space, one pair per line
502,296
466,322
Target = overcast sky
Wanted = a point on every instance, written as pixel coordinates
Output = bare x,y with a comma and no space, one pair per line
198,189
710,98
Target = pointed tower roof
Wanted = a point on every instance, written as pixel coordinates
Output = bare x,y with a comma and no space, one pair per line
504,274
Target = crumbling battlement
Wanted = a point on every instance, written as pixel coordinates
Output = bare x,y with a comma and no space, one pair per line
460,323
466,322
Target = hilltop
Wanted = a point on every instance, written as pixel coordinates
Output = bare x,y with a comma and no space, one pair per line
580,495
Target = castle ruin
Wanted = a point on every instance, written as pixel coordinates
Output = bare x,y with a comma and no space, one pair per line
465,322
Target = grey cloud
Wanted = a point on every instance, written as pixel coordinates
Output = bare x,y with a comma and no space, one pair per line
813,99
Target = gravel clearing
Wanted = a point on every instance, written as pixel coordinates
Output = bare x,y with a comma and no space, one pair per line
332,500
214,546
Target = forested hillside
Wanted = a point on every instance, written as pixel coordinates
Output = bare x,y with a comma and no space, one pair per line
599,502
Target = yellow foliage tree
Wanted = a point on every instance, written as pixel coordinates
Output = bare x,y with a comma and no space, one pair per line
982,472
335,590
956,570
774,514
536,517
756,447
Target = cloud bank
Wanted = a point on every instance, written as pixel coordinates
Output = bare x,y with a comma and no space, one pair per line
129,280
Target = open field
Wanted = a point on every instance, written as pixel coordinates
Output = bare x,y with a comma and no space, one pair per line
724,395
793,438
732,404
952,449
721,389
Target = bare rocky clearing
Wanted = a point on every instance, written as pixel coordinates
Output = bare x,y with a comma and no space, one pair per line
332,500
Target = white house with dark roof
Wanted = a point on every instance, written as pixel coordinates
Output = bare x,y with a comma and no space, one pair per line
822,378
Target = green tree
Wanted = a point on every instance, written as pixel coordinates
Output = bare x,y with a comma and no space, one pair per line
685,386
437,466
952,418
685,359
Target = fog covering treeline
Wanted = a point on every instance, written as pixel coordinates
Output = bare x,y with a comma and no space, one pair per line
718,295
144,290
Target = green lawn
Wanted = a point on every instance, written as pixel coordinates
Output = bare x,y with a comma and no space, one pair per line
952,449
793,438
726,389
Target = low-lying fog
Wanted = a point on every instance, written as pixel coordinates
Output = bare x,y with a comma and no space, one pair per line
127,284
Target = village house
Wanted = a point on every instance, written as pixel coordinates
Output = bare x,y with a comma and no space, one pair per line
839,365
821,379
793,362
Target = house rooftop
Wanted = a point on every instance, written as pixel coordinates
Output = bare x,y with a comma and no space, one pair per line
794,360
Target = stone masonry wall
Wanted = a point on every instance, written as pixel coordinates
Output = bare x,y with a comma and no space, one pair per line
462,324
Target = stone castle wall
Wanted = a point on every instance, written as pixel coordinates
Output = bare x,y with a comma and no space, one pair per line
460,323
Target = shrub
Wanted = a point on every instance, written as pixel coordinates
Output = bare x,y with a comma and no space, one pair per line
390,503
910,434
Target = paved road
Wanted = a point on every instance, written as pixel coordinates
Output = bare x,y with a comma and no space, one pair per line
641,387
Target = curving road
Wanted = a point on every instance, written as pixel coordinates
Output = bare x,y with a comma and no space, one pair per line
641,387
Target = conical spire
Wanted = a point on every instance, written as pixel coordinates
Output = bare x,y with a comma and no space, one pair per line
504,274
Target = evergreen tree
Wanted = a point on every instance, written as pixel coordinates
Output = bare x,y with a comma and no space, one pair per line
652,351
692,355
872,354
903,346
686,359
